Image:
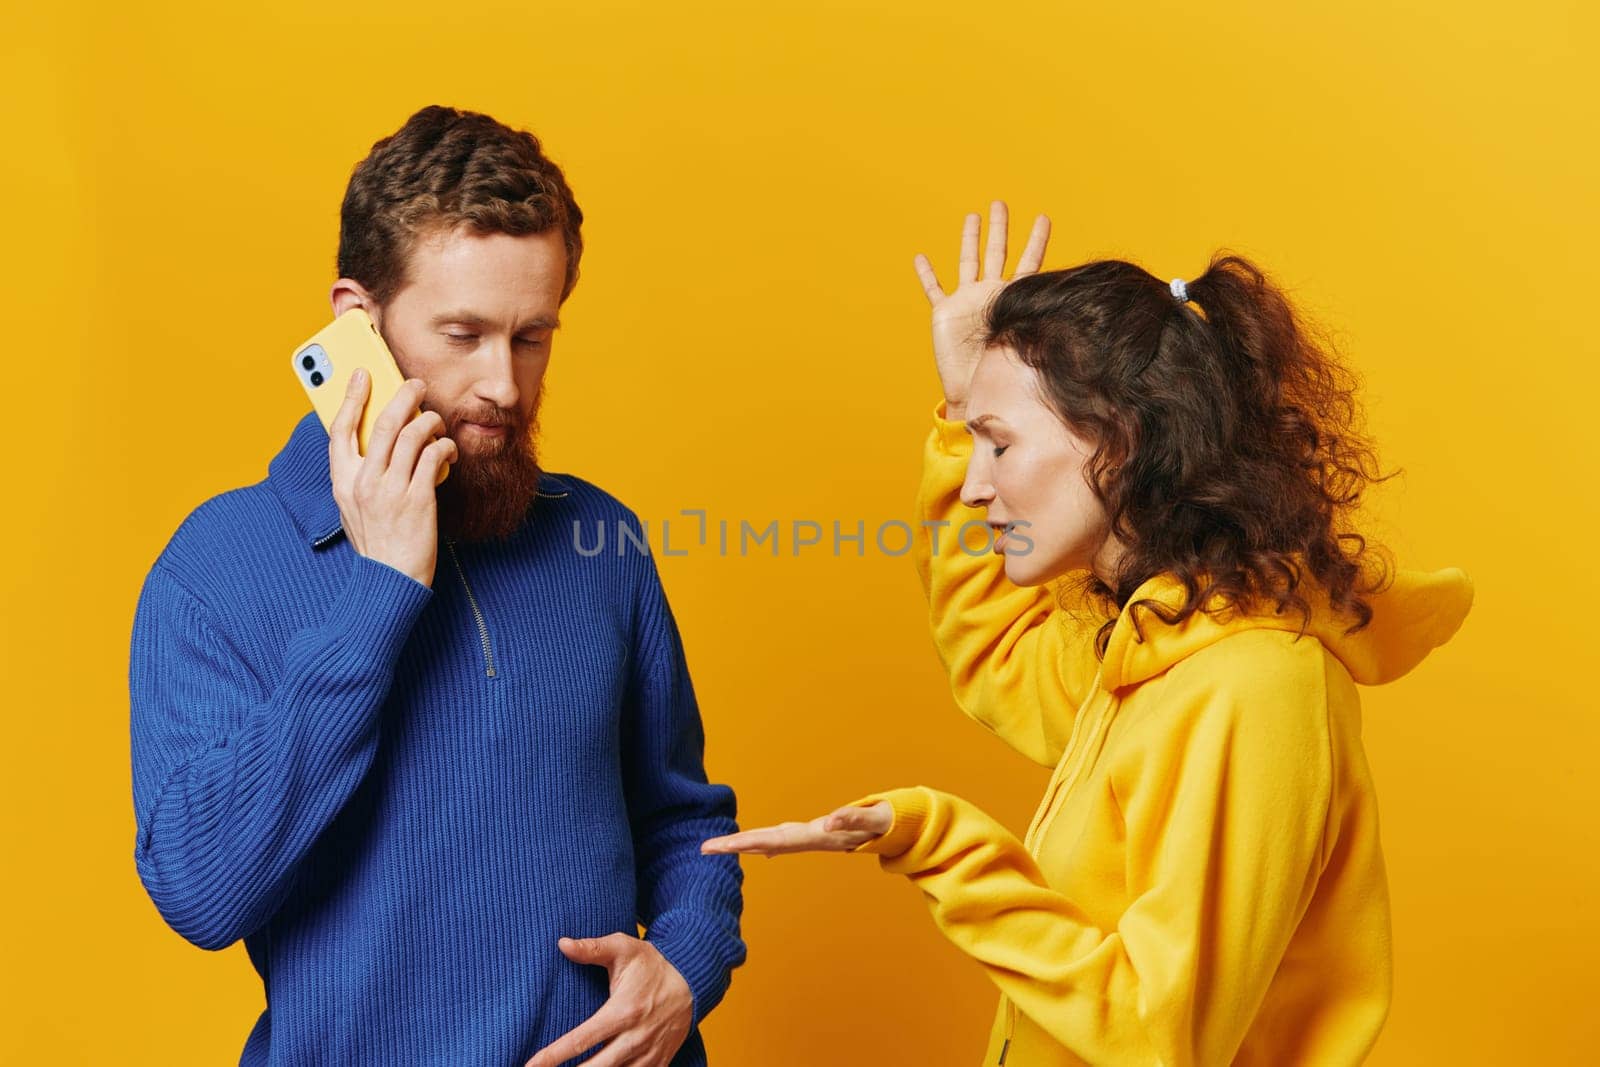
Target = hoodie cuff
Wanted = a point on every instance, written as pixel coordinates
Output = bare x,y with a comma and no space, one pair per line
911,807
950,436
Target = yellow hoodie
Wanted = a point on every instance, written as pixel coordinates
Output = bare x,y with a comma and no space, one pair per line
1203,882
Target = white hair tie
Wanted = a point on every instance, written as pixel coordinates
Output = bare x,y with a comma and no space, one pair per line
1180,291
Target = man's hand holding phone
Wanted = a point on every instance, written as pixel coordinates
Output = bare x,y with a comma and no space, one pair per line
386,498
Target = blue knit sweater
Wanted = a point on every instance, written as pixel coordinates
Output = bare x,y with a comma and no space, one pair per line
401,796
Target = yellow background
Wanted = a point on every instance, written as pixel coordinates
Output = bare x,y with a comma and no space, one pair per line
749,338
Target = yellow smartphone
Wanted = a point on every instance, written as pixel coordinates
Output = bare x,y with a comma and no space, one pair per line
325,361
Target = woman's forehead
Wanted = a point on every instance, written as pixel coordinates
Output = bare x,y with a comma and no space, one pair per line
1001,382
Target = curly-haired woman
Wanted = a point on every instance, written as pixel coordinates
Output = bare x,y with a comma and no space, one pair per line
1203,882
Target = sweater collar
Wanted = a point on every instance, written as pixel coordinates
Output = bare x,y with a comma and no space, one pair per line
1417,612
299,474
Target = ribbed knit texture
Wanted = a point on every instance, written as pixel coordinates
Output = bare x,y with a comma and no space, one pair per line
401,797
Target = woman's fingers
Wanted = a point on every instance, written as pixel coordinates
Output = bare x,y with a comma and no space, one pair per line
791,837
771,840
1033,252
967,271
930,282
994,253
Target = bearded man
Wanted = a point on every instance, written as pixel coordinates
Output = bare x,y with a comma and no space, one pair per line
436,807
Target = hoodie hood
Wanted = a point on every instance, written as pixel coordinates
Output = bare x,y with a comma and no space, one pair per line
1417,612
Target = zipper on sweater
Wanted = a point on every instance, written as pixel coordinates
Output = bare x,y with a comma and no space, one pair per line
477,613
1060,782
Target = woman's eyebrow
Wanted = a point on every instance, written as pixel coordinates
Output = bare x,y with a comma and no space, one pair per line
978,423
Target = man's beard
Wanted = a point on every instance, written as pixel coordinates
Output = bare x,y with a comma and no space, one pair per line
490,486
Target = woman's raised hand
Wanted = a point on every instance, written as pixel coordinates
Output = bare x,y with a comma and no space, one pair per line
958,315
839,831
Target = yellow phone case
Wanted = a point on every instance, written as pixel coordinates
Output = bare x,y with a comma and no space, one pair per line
325,361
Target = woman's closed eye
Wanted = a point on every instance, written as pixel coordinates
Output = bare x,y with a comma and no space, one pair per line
1000,448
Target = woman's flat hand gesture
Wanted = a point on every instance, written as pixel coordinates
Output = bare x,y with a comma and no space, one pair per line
839,831
958,315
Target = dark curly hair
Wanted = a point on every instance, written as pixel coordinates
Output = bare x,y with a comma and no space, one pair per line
445,167
1224,428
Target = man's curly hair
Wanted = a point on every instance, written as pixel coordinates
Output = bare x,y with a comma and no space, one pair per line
442,168
1226,449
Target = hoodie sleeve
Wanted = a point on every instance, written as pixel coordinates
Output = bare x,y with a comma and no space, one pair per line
1225,820
1017,662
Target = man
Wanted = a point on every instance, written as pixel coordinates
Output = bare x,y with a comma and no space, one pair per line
406,790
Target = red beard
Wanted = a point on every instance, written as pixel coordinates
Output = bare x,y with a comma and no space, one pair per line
491,485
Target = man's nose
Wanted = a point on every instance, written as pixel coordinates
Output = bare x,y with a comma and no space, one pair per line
498,384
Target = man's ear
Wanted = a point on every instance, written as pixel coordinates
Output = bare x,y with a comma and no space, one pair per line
348,293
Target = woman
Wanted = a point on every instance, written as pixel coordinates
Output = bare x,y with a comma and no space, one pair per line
1203,882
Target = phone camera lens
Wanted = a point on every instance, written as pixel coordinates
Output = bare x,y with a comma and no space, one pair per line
316,375
309,361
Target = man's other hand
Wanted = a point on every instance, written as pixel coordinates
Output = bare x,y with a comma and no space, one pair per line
645,1020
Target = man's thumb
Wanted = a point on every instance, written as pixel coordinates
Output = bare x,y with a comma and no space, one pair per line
586,950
